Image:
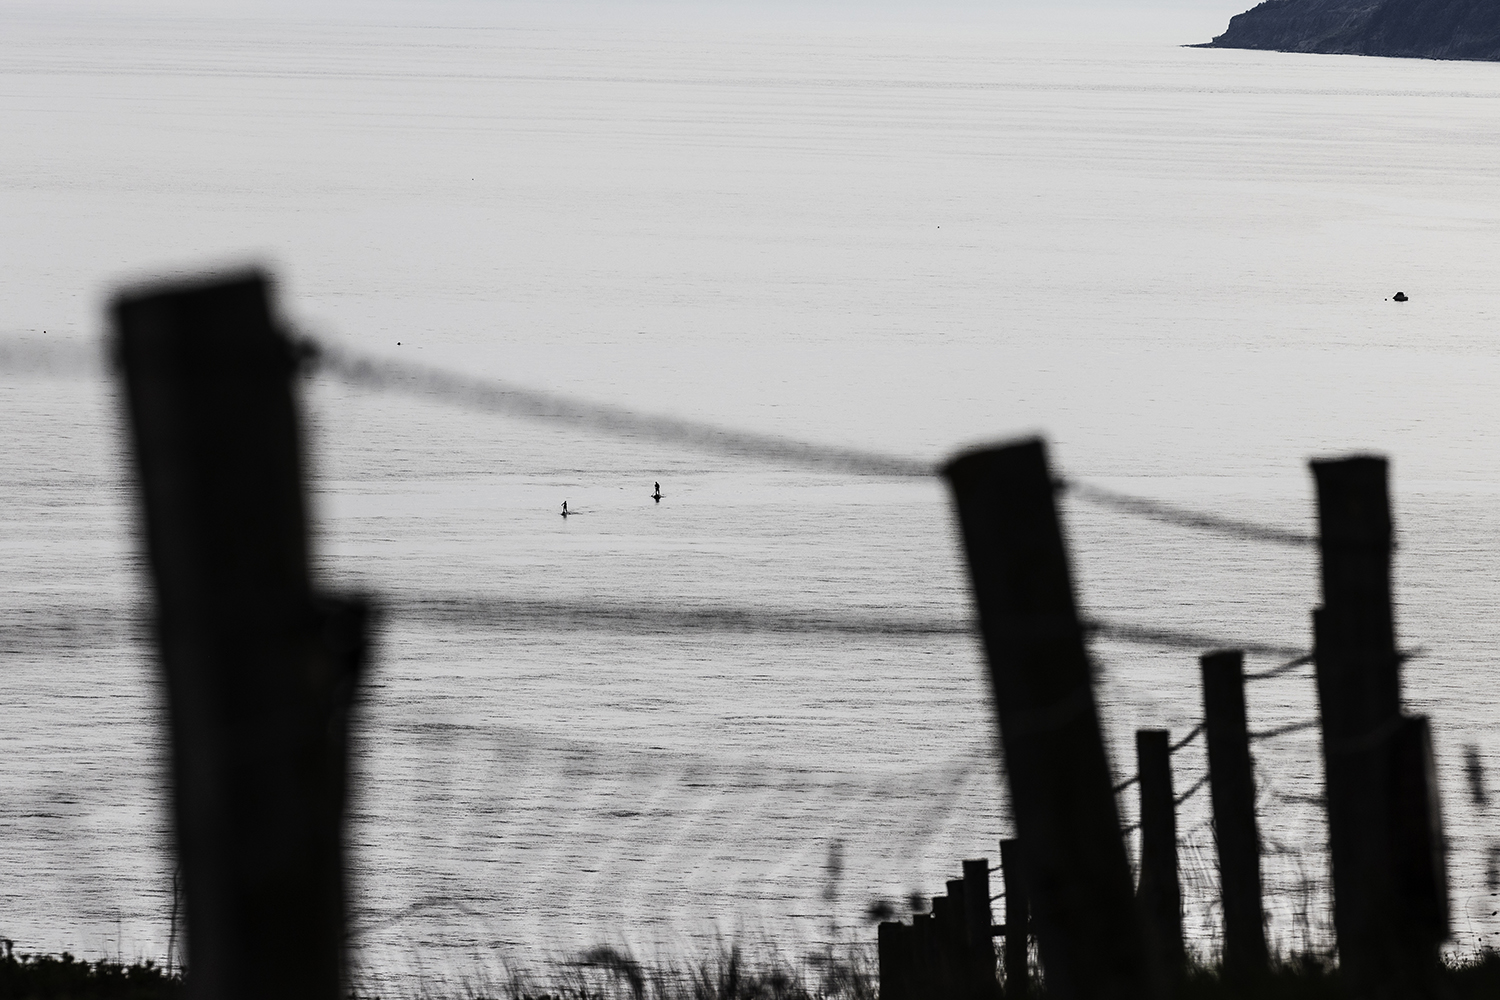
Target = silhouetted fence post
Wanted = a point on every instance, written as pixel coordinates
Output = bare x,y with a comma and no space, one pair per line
1159,894
1421,872
1017,921
948,924
1380,948
894,952
926,956
978,920
1231,779
1077,872
259,672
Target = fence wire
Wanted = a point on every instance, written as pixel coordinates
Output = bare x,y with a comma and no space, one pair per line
1181,516
29,355
495,396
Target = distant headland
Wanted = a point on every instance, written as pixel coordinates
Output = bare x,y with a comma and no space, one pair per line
1420,29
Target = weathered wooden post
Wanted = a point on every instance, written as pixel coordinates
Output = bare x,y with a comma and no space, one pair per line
1421,872
1159,894
978,919
926,957
948,929
1231,776
1017,921
957,938
259,671
1382,950
893,948
1077,872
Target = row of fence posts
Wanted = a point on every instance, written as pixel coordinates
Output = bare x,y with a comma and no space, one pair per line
1097,935
950,952
260,672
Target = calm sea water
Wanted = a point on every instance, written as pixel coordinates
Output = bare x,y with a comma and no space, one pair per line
1175,263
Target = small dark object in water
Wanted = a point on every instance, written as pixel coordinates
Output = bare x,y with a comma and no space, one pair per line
1399,297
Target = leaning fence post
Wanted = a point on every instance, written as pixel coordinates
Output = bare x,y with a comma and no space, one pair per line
978,919
1231,781
1159,894
259,671
1077,871
1017,921
1382,952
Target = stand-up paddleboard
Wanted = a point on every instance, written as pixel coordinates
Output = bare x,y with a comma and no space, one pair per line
658,494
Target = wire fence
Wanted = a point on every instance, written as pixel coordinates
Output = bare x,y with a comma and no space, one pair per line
500,611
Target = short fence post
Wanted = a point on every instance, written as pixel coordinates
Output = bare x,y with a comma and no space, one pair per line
926,957
259,671
1232,786
1017,922
1060,784
978,919
894,952
948,929
1359,692
1160,894
959,962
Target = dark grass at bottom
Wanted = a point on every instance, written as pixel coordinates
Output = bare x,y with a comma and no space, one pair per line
607,974
63,977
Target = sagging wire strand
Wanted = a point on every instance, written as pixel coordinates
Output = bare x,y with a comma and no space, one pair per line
39,628
1167,513
1197,786
31,355
510,399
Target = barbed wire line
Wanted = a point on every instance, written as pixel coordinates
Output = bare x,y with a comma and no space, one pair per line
648,618
495,396
80,626
532,612
1199,728
1190,737
1197,785
1284,668
1181,516
1294,727
1144,635
32,355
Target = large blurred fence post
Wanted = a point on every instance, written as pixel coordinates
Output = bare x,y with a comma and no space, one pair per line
259,672
1074,857
1387,945
1232,787
1160,892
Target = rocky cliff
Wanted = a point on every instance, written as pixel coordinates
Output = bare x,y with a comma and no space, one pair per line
1426,29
